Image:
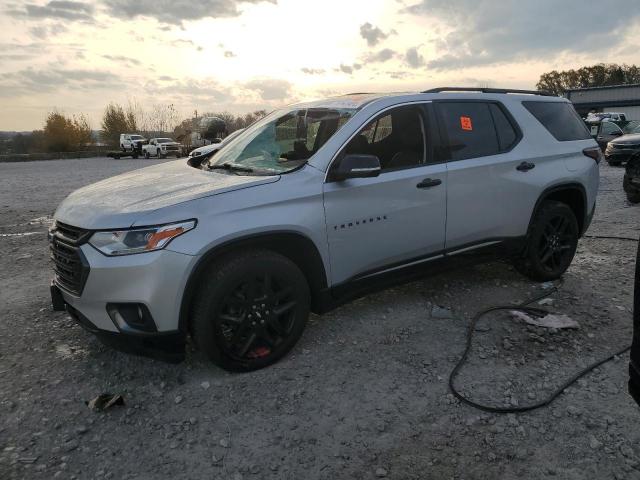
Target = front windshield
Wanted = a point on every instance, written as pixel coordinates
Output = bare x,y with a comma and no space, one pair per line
282,141
164,140
136,137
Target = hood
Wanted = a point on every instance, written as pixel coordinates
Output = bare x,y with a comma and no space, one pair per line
119,201
629,139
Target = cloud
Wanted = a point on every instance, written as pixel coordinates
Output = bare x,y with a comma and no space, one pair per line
189,91
382,56
176,12
34,81
484,32
348,68
270,88
55,9
413,58
46,31
372,34
127,61
312,71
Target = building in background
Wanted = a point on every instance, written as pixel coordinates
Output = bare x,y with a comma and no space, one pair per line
619,98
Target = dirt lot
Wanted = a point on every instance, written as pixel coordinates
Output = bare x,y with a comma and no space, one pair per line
364,394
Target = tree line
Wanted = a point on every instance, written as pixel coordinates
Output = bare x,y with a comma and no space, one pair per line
600,75
73,133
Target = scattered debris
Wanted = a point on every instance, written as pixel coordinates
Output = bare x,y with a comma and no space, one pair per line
548,321
381,472
105,401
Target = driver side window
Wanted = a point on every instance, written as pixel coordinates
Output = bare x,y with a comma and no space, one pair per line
609,128
397,137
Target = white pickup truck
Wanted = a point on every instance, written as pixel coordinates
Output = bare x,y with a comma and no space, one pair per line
161,148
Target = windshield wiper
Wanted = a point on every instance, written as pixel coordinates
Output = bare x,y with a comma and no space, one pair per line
231,167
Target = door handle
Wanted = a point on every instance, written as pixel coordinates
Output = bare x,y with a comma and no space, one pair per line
526,166
429,182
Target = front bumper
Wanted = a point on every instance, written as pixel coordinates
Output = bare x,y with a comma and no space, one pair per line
155,281
620,154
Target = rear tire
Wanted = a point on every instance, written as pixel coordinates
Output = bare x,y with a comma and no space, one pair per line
250,311
551,243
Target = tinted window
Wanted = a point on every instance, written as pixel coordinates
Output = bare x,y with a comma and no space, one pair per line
469,128
607,128
507,135
560,119
397,138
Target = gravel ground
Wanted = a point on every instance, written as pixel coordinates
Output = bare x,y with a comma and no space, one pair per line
363,395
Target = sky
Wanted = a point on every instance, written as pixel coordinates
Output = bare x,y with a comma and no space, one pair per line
213,55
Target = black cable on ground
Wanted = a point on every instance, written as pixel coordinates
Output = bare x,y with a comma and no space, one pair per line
536,312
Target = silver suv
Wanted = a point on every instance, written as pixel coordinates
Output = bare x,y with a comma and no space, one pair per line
314,203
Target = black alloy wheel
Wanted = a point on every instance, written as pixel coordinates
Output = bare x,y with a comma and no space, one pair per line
551,243
557,243
256,317
251,310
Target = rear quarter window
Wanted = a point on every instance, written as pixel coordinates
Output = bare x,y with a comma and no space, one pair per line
560,119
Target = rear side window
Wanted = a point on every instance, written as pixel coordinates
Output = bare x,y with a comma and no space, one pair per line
560,119
469,129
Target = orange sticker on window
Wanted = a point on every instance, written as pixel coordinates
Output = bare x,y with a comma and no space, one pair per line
465,123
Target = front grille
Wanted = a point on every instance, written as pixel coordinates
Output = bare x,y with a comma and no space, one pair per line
174,147
69,264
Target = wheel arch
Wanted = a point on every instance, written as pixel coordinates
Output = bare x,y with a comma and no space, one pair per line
297,247
572,194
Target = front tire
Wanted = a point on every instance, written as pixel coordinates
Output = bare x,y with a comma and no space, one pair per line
633,197
251,309
551,243
146,154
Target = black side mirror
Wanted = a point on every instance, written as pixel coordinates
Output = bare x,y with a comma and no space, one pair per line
356,166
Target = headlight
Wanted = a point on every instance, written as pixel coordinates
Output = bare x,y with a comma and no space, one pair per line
139,240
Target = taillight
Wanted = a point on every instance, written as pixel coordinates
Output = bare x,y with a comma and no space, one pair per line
593,152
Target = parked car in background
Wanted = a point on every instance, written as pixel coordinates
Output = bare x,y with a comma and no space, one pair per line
208,150
600,116
130,142
631,180
316,202
161,148
624,143
607,131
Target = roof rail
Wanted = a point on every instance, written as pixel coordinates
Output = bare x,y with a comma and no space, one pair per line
489,90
